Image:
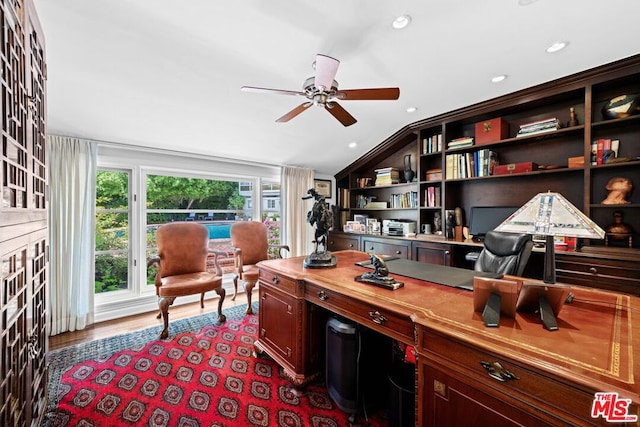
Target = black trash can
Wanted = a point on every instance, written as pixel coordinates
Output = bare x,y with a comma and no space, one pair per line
402,401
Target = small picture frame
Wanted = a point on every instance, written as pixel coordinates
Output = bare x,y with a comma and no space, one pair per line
322,187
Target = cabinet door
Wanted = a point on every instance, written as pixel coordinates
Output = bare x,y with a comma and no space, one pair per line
339,242
290,330
432,253
278,325
386,247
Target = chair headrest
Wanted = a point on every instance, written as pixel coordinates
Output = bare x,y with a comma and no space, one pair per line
504,244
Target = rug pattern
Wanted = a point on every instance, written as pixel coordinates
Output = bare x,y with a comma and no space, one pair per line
207,378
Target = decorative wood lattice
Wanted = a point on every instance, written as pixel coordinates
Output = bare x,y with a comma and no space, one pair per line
23,222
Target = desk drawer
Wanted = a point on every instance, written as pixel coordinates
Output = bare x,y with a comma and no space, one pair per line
384,248
611,274
531,390
374,317
283,283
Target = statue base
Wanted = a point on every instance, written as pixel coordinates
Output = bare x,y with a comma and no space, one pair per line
381,281
320,260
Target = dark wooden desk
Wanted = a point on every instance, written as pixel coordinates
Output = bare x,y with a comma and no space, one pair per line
559,372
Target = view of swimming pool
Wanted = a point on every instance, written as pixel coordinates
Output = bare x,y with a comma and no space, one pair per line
219,230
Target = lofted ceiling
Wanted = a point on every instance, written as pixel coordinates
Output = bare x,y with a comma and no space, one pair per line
167,74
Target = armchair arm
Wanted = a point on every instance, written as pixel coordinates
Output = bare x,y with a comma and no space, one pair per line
215,260
278,254
151,261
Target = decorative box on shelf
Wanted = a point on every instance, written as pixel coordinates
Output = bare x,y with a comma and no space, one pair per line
575,162
434,175
491,131
510,168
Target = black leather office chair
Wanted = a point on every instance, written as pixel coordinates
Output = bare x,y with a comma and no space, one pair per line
504,253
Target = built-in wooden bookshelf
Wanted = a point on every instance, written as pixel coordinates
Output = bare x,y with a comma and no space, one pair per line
583,185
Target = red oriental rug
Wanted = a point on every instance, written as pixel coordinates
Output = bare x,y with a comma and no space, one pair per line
208,378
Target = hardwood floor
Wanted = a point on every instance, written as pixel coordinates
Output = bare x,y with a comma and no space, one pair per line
140,321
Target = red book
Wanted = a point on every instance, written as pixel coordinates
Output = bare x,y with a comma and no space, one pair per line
599,151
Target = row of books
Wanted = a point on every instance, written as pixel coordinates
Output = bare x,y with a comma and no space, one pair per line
603,149
432,196
471,164
387,176
465,141
540,126
432,144
404,200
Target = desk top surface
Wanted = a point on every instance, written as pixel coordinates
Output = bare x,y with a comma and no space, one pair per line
597,340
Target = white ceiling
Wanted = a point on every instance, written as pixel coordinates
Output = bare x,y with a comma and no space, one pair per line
167,74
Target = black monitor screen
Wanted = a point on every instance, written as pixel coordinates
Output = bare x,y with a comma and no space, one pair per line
486,218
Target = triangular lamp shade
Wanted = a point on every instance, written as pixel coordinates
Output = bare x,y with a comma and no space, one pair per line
550,214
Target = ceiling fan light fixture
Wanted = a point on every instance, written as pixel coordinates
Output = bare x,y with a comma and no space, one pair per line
401,22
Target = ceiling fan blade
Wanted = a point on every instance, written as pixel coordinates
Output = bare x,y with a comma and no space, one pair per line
265,90
383,93
291,114
326,69
340,113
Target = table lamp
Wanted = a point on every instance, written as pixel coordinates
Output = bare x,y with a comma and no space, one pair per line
550,214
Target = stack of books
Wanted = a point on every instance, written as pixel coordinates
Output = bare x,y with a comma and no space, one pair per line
541,126
465,141
387,176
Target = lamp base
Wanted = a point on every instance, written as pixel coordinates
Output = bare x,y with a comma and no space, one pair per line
549,261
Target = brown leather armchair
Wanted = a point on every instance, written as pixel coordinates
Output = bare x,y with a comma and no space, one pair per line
182,255
251,245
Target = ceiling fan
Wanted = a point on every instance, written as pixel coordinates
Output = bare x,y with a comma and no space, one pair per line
322,90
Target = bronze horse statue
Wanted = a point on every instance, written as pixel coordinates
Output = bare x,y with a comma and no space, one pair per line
321,217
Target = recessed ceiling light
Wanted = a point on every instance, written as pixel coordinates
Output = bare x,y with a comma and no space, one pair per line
498,79
557,46
401,22
526,2
353,144
411,110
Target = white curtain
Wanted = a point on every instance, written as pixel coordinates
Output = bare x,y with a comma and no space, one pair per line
297,233
72,189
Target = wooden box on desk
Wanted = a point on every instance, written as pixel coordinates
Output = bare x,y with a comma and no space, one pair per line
515,168
491,131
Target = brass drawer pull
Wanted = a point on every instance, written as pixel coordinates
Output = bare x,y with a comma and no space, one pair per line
593,270
498,372
322,296
377,317
275,280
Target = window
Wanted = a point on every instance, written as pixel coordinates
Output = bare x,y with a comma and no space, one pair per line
140,189
216,203
112,254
